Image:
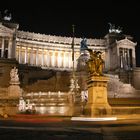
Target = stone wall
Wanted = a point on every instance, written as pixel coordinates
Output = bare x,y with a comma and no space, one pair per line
5,67
136,78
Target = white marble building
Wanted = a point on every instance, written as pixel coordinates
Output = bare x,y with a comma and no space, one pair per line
47,52
55,52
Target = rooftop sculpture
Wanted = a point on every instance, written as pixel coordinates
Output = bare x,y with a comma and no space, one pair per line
113,29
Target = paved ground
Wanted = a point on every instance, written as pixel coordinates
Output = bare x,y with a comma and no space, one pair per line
27,127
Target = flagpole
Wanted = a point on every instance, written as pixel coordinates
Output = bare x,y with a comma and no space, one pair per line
73,31
74,83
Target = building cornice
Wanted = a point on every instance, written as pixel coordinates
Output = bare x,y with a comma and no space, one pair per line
58,39
126,41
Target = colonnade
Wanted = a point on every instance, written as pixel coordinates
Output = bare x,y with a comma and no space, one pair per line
5,47
44,57
126,58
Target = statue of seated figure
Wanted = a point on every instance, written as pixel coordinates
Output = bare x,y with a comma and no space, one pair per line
14,75
95,63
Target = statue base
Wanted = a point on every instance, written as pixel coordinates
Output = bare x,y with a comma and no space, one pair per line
14,91
97,97
9,106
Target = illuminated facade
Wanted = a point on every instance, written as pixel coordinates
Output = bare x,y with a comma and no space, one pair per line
55,53
45,67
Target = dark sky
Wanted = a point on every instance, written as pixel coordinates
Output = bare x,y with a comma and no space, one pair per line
91,18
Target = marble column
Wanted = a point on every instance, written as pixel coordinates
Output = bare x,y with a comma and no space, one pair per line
58,59
61,60
53,59
127,58
26,55
43,57
64,62
20,54
121,58
34,56
133,58
9,48
31,56
48,59
118,57
36,63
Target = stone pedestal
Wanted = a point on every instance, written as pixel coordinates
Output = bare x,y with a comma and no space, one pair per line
97,97
9,106
14,91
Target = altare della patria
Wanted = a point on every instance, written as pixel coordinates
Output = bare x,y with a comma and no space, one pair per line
67,76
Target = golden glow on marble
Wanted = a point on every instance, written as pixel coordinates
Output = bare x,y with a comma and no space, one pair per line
62,110
52,110
42,110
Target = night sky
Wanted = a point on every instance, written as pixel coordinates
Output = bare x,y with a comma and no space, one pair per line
90,18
